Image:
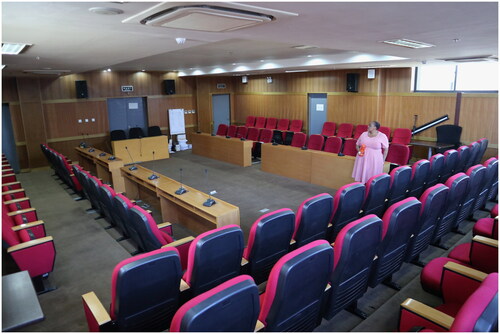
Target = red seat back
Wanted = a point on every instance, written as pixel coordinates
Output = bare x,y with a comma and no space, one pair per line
316,142
296,125
222,130
260,122
333,145
401,136
250,121
328,129
345,130
271,123
299,139
360,128
283,124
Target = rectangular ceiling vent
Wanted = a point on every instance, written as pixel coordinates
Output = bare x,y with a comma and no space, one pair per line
408,43
472,59
202,17
48,72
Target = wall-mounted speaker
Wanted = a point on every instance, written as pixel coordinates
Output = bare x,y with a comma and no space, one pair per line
352,82
81,89
169,86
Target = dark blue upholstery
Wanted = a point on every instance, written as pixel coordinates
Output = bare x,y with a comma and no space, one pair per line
476,179
420,171
347,203
135,133
400,182
117,135
121,215
464,153
450,165
483,145
435,171
313,217
475,149
143,233
377,189
490,178
106,194
154,131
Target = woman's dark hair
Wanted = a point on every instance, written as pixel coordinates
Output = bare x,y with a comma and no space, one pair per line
376,124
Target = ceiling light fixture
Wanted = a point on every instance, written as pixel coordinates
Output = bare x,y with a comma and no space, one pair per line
296,71
304,47
407,43
13,48
105,10
180,40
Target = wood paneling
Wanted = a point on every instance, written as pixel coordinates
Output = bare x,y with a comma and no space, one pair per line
9,90
479,117
158,109
352,108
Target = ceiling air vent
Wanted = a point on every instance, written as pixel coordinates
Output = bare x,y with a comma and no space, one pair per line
48,72
472,59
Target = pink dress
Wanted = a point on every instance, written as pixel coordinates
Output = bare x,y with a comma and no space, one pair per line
372,163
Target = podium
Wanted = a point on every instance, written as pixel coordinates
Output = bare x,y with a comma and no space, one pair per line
141,149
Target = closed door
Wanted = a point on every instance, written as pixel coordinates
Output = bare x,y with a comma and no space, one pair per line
221,110
126,113
317,112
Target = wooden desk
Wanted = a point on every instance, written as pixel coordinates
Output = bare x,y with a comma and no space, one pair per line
231,150
20,305
102,167
431,145
141,149
316,167
186,209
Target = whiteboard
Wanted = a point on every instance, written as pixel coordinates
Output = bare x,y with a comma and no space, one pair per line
176,121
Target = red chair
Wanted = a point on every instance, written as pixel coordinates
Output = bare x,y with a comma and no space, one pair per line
231,131
222,130
350,147
266,135
345,130
296,125
260,122
333,145
487,227
253,134
360,128
299,139
386,131
398,154
328,129
316,142
241,132
283,124
271,123
401,136
250,121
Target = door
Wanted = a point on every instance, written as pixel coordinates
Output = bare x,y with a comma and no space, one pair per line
8,141
126,113
221,110
317,112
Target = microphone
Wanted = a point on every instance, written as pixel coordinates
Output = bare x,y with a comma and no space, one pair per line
140,146
91,148
153,176
130,155
83,144
181,190
209,202
102,154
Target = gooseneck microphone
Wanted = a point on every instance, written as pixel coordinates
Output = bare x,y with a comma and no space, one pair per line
209,202
153,176
130,155
181,190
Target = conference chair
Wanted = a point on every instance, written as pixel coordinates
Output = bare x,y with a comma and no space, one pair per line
231,131
419,172
398,154
476,176
345,130
399,223
449,134
295,125
295,291
135,133
250,121
400,182
474,153
467,307
241,132
359,129
377,188
433,201
23,219
271,123
347,204
450,164
312,220
464,153
435,170
299,139
350,147
117,135
333,145
221,130
154,131
328,129
268,240
232,306
253,134
144,294
213,258
7,178
386,131
278,137
354,250
401,136
316,142
260,122
79,172
283,124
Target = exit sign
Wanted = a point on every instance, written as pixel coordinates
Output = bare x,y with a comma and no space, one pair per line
127,88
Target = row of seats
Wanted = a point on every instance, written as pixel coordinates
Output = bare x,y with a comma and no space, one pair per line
272,123
135,133
347,130
23,233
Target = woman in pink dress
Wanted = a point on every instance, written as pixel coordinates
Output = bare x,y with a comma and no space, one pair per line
370,159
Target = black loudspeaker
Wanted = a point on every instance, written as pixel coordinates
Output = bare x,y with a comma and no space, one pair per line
169,87
352,82
81,89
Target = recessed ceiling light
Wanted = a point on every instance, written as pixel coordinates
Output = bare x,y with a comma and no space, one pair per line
108,70
180,40
105,10
407,43
304,47
296,71
13,48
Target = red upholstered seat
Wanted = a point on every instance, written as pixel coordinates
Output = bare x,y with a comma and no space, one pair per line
487,227
350,147
419,174
401,136
345,130
398,154
494,211
299,139
149,235
360,128
231,131
222,130
241,132
295,125
377,189
253,134
316,142
250,121
283,124
313,216
400,182
386,130
347,203
328,129
260,122
333,145
271,123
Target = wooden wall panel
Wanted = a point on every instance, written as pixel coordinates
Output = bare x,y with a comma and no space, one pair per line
17,121
9,90
158,109
205,88
479,118
355,109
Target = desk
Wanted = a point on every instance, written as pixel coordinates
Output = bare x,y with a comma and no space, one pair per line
231,150
141,149
431,145
316,167
186,209
20,305
102,167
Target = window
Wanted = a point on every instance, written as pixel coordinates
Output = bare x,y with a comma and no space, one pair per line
463,77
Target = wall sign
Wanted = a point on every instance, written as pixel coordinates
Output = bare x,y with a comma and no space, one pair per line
127,88
221,86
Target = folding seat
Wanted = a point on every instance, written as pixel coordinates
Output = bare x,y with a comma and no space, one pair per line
474,153
489,177
250,121
241,132
493,187
435,170
467,307
94,186
266,135
386,131
316,142
106,195
253,134
333,145
121,214
464,153
486,227
117,135
154,131
81,176
13,203
494,211
400,182
401,136
296,287
209,311
299,139
419,172
450,164
476,176
360,128
398,154
354,250
7,178
295,125
271,123
8,193
457,185
144,294
328,129
268,240
347,204
480,254
24,219
221,130
350,147
283,124
260,122
231,131
345,130
399,223
483,145
377,188
214,257
135,133
21,213
312,220
433,201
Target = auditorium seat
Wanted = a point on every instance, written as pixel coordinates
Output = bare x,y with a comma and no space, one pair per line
94,186
463,157
483,145
450,164
283,124
350,147
328,129
117,135
377,189
106,195
433,201
493,188
400,182
298,140
354,250
154,131
135,133
435,170
232,306
480,201
486,227
214,257
333,145
253,134
401,136
359,129
296,288
271,123
250,121
231,131
260,122
268,240
295,125
398,154
347,204
491,181
121,214
476,176
266,135
312,220
241,132
387,131
25,219
221,130
144,294
345,130
449,134
316,142
399,223
278,137
474,153
419,172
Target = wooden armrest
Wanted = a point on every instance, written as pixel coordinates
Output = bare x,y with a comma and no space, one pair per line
16,200
9,192
244,261
465,271
485,241
183,286
11,174
11,183
439,318
28,244
27,225
96,308
8,170
259,326
149,211
163,225
328,287
179,242
20,212
292,242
